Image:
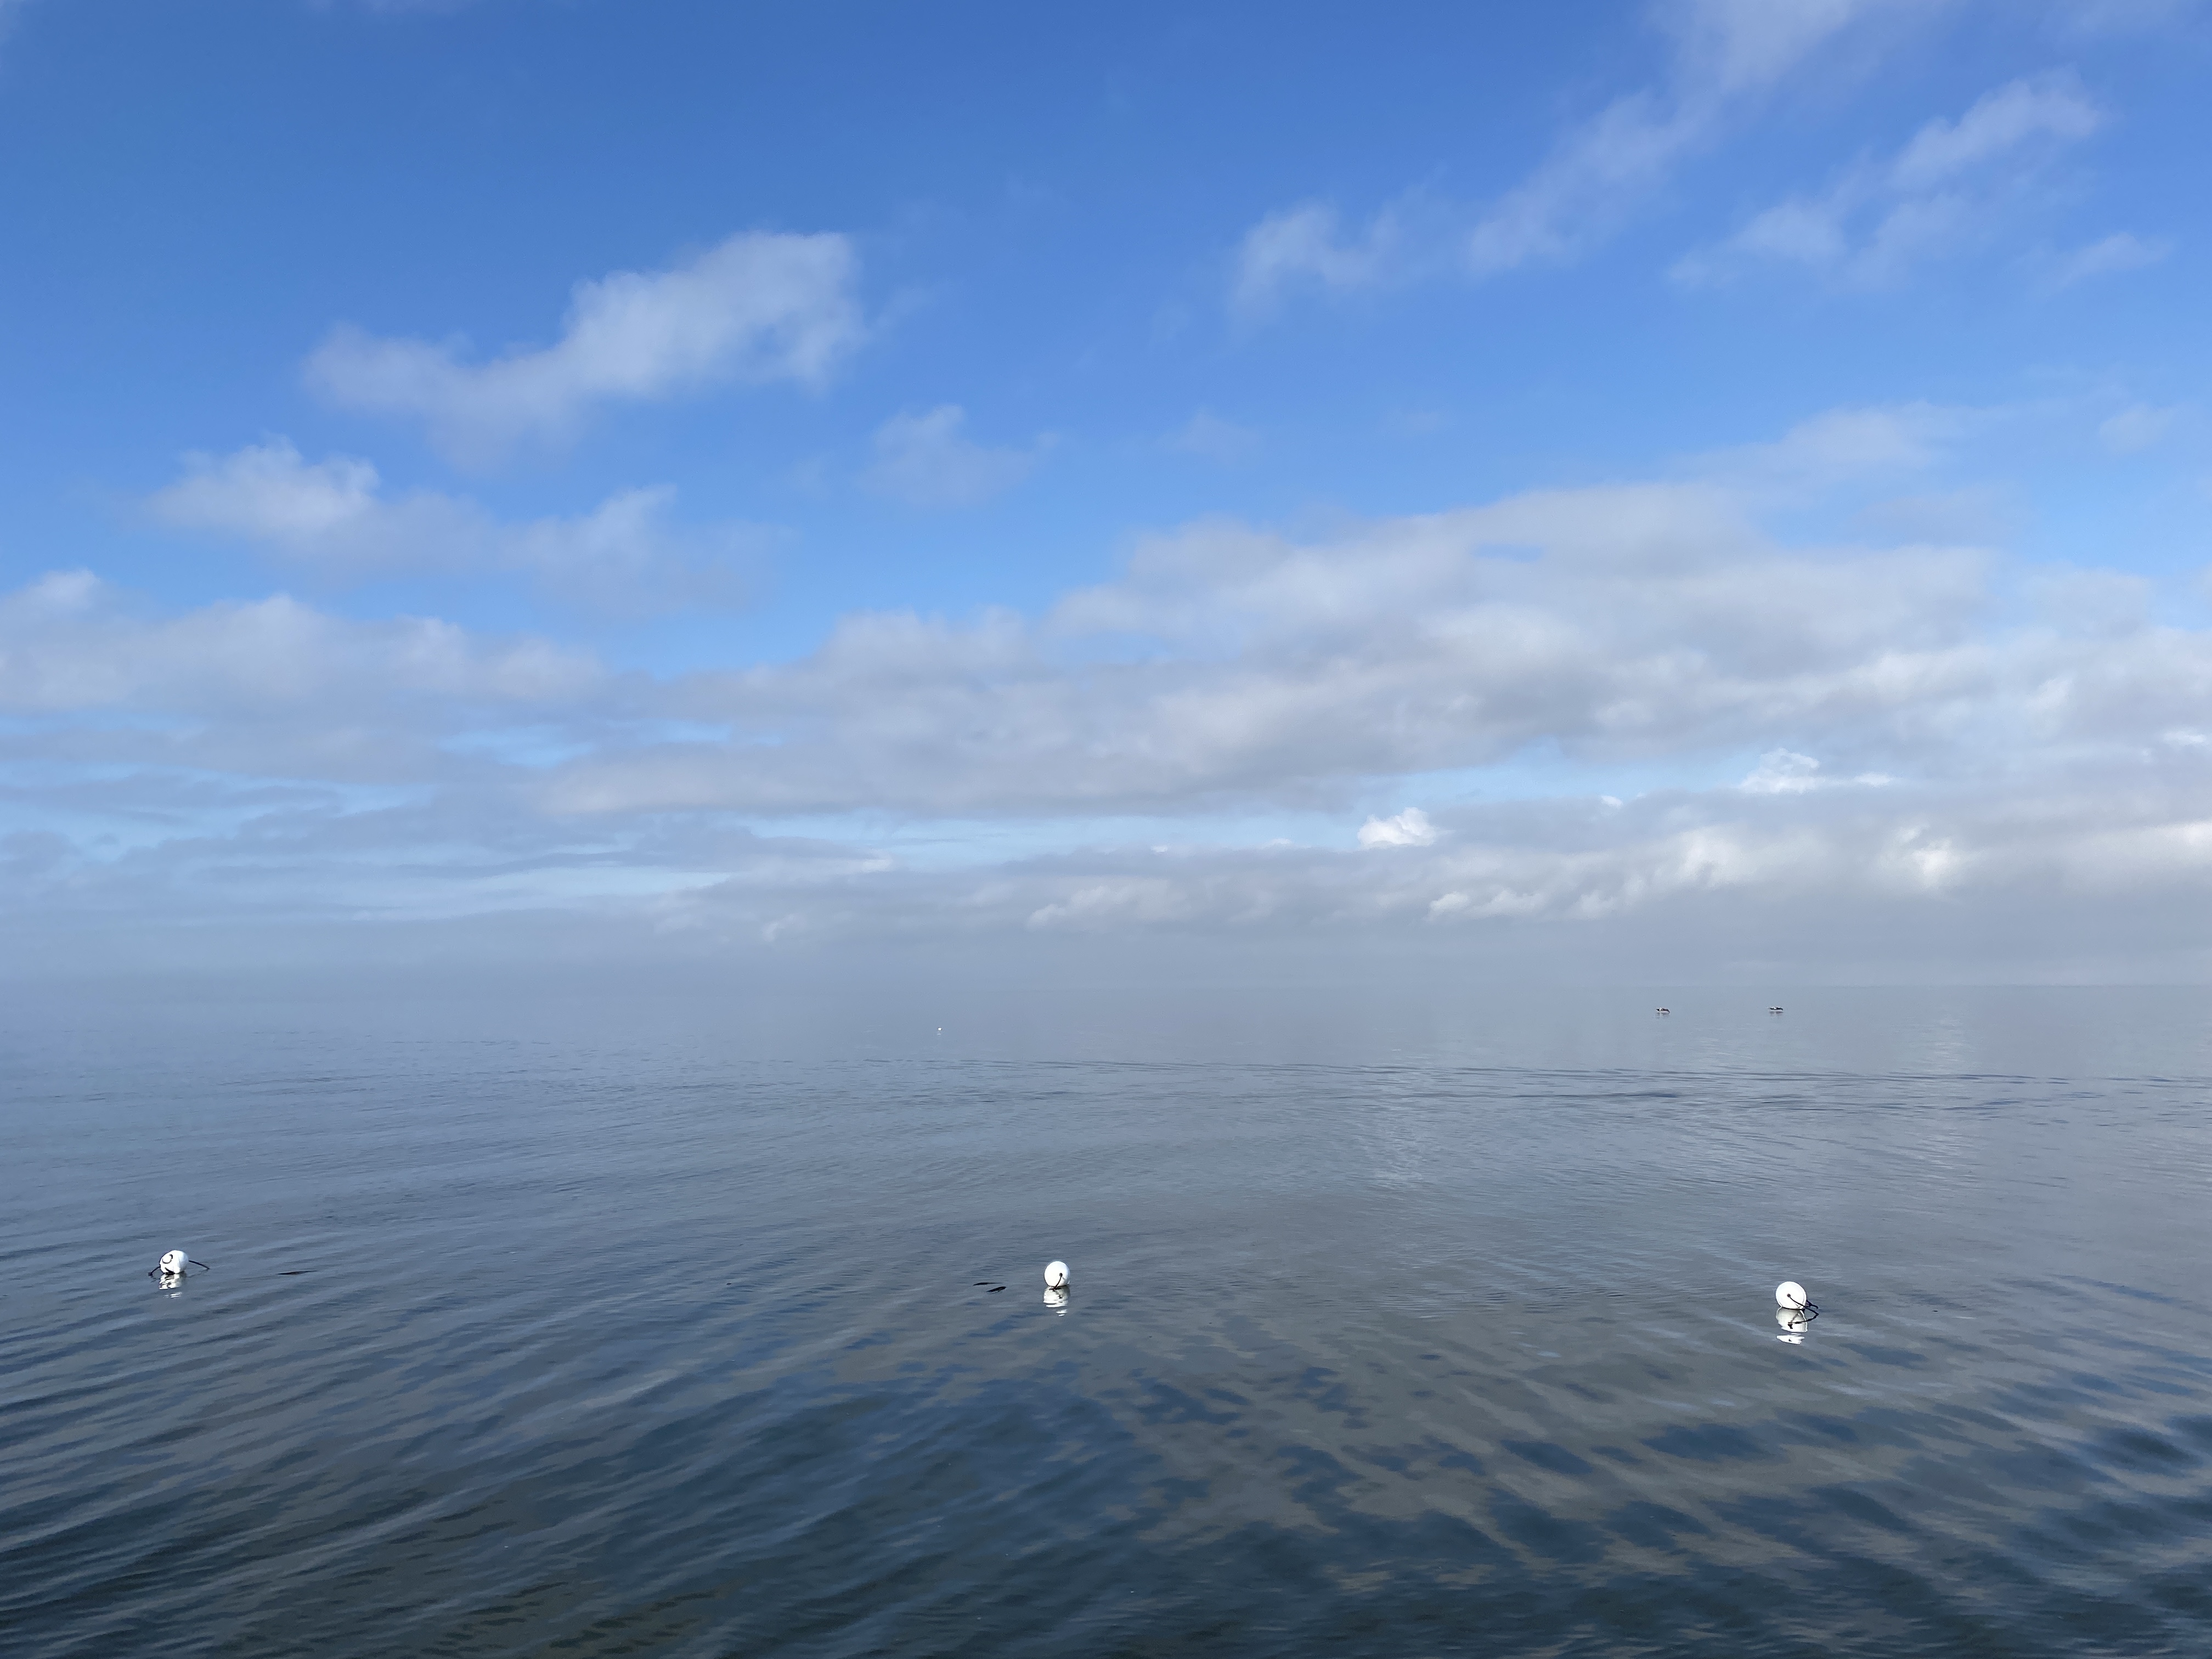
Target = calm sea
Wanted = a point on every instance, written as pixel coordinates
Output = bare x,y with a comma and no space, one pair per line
1392,1332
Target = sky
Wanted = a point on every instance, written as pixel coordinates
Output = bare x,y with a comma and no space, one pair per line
1708,488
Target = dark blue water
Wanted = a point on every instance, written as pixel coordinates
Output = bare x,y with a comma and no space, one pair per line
1390,1334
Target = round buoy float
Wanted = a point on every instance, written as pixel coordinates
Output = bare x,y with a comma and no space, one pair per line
1790,1294
173,1266
1055,1275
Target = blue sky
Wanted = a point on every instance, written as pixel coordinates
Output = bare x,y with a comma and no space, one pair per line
773,478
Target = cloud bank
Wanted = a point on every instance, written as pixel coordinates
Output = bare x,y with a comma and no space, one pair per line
1245,733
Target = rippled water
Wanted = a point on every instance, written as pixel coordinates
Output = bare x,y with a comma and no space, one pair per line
1441,1336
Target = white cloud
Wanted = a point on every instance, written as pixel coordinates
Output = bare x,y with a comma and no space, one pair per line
1851,870
1843,445
926,460
334,517
1305,245
1997,126
762,306
1730,53
1410,827
1604,173
1094,905
1727,56
1947,188
271,493
71,644
1731,47
1780,772
2094,18
1784,772
2136,427
1656,615
1212,438
2123,251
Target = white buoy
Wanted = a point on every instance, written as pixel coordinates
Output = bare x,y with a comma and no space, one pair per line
1055,1275
172,1264
1790,1294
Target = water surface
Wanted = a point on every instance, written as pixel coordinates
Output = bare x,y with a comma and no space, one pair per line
1393,1331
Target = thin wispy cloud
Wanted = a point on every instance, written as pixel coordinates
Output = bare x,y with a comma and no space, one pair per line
1307,246
1727,56
2091,19
2135,428
1845,445
928,460
1948,190
2108,256
760,307
1212,437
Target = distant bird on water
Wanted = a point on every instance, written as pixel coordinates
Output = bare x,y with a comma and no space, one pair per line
1663,1011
